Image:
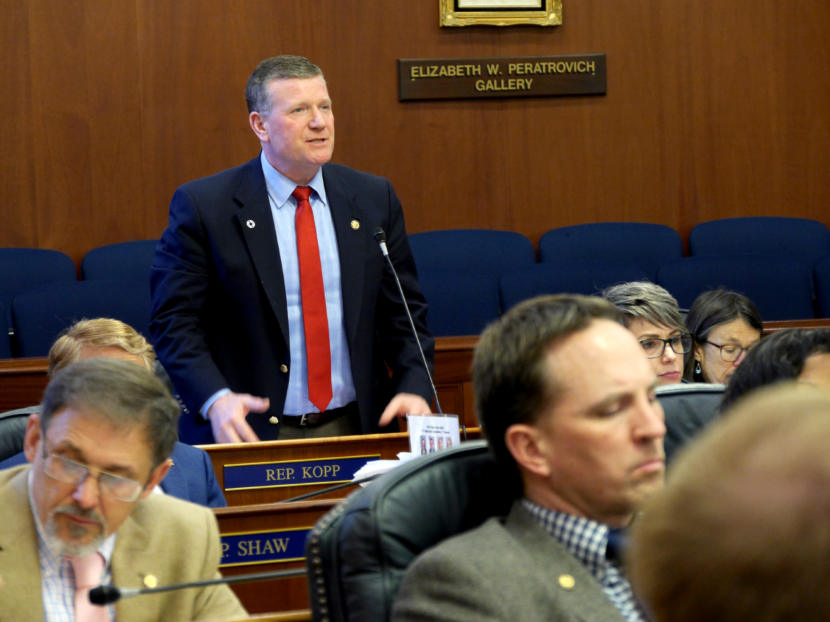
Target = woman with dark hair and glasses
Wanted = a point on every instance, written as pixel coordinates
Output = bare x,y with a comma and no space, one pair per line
652,314
724,326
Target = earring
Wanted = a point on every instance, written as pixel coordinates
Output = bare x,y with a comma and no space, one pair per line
698,370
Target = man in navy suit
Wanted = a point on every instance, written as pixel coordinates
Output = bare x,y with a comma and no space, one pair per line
191,475
228,317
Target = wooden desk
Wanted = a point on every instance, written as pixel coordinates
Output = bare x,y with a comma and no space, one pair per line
288,594
771,327
22,380
299,452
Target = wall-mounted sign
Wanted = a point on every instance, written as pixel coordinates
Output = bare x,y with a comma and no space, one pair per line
524,76
500,12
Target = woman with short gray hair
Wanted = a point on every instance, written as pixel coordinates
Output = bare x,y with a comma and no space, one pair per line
653,315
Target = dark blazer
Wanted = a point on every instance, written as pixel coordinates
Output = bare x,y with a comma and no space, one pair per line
219,305
190,478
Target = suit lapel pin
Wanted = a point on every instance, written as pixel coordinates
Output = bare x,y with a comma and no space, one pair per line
566,581
150,581
250,224
355,224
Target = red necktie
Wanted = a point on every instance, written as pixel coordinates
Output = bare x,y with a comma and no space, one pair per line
88,571
315,320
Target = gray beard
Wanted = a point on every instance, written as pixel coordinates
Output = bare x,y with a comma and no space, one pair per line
74,548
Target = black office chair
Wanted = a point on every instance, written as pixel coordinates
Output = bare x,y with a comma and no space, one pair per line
12,431
358,553
688,408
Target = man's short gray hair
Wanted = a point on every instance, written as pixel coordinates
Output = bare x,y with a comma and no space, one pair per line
123,394
275,68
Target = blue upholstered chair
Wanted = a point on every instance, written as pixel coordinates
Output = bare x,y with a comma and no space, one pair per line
5,343
781,287
24,268
646,245
39,315
565,276
127,261
801,238
459,302
821,280
473,250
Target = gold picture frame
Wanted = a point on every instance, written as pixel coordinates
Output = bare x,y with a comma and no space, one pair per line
500,12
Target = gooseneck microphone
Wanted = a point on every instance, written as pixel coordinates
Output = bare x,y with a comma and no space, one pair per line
380,236
106,594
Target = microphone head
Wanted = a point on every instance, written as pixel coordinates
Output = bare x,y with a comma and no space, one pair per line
380,235
104,594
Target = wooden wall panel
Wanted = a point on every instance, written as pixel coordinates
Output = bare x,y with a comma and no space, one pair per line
713,109
17,199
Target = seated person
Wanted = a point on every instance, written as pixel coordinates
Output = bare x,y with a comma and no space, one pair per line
790,354
652,314
191,475
83,513
566,400
740,530
724,325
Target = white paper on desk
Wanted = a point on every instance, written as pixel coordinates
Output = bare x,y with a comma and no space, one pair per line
374,468
428,434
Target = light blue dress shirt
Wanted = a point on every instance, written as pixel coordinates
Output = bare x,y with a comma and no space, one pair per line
283,209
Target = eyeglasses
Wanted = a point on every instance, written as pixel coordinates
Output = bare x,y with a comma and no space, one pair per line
75,473
730,352
654,347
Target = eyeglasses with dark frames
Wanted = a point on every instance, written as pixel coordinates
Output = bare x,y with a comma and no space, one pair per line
730,352
654,347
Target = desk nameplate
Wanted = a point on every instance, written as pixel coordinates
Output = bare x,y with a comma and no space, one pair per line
263,547
276,474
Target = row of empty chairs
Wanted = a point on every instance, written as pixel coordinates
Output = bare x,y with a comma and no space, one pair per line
40,293
469,276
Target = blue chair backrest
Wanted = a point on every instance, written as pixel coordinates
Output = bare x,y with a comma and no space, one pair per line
41,314
573,277
459,302
821,279
129,261
475,250
781,287
5,344
801,238
647,245
24,268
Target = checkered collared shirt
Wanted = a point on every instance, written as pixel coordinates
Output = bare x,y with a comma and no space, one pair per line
587,540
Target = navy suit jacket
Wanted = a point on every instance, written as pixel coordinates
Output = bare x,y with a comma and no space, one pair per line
190,478
219,303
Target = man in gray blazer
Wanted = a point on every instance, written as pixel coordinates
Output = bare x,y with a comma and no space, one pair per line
567,401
